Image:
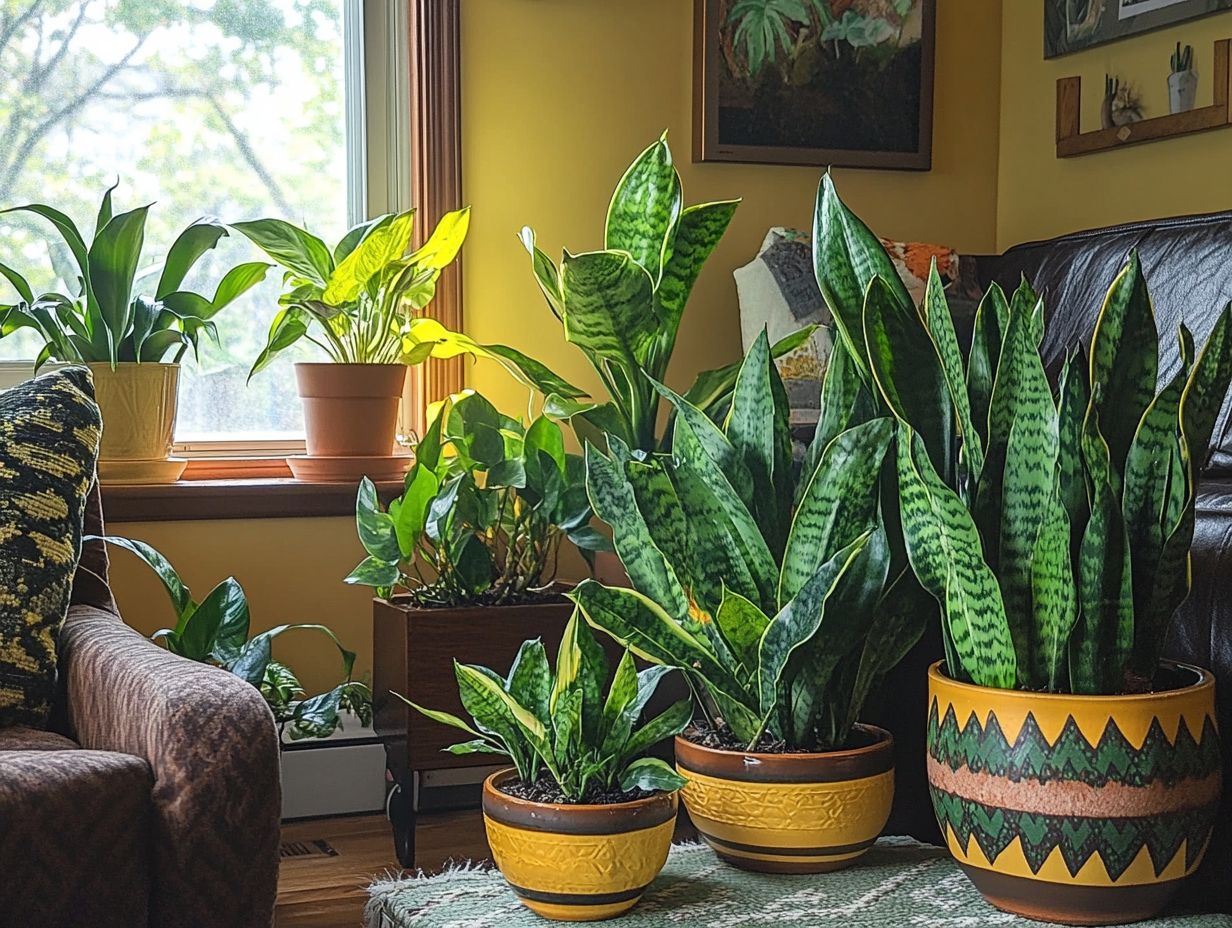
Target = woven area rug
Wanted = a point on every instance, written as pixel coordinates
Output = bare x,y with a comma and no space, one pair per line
898,884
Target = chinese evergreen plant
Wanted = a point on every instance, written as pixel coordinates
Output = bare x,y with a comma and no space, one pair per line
215,631
485,508
774,589
106,318
1052,522
564,725
622,305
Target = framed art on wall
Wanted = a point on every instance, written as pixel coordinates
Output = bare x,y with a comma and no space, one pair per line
847,83
1071,25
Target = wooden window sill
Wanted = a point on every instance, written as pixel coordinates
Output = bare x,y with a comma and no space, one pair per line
249,497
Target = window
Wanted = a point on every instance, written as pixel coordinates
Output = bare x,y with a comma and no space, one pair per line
227,108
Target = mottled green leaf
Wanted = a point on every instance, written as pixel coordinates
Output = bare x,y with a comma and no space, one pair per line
651,774
609,306
645,208
1054,597
986,339
941,327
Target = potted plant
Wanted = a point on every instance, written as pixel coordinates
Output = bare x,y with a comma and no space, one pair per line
1074,773
582,822
464,565
215,631
358,303
132,338
780,598
1182,81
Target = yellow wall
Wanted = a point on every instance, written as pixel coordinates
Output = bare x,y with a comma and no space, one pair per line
558,96
1040,195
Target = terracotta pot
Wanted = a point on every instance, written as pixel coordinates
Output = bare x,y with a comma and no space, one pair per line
789,813
1085,810
350,410
577,862
138,403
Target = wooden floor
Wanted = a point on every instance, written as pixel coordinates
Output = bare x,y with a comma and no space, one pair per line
328,892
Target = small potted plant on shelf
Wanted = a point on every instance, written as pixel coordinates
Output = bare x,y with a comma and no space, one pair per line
215,631
131,337
1182,81
582,822
464,565
1075,774
359,302
780,599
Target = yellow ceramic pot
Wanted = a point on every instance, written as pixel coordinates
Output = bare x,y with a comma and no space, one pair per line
1085,810
790,813
577,863
138,403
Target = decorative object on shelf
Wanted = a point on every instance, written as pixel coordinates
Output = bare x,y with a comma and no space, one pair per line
215,631
823,82
1182,81
583,822
1122,105
1070,25
1072,141
1053,529
126,336
779,597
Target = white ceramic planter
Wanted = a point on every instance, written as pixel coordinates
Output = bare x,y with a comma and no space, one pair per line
1182,91
139,404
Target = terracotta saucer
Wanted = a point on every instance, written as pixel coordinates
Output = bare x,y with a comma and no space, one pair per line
130,473
316,469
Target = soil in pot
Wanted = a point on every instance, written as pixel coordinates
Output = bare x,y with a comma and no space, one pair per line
577,862
788,812
1083,810
546,791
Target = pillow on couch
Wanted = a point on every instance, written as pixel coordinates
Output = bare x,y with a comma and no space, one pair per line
49,434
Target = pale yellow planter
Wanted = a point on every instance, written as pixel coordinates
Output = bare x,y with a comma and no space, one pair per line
138,403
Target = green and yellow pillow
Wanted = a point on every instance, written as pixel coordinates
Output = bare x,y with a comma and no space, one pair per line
49,433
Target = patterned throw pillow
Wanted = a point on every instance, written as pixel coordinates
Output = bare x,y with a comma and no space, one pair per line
49,434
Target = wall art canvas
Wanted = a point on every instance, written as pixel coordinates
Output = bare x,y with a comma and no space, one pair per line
1071,25
817,82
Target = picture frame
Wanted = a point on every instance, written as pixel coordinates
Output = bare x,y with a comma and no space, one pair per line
1074,25
786,112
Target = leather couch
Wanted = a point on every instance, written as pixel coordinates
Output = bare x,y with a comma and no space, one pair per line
1188,264
155,799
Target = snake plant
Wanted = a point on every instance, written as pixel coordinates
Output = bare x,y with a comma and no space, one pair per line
774,588
622,305
1051,521
588,742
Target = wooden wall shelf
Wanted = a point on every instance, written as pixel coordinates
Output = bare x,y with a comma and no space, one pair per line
1072,141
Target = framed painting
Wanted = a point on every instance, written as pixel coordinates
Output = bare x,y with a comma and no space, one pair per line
847,83
1072,25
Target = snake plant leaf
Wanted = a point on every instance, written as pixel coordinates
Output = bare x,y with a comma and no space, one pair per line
483,696
609,306
621,693
1073,397
838,504
621,725
566,737
645,208
670,530
694,426
546,273
798,621
613,499
445,718
742,625
667,724
1026,302
1208,385
908,373
991,319
847,256
113,259
1054,600
188,248
530,679
696,235
1125,361
712,387
845,402
594,675
944,548
568,664
1027,483
1102,640
756,429
941,327
651,774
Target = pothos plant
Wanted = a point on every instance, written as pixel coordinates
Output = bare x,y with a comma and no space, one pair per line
622,305
775,590
1052,522
108,315
485,508
215,631
588,741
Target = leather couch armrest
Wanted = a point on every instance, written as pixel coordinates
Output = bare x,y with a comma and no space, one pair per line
211,745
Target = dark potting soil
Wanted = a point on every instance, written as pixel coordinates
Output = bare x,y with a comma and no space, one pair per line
551,596
544,790
721,739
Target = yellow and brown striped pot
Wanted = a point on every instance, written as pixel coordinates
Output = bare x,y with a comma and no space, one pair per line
789,813
577,863
1085,810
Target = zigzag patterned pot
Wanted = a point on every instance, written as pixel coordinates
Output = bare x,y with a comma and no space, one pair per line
789,813
1084,810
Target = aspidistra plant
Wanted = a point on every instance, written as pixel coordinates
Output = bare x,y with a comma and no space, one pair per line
622,305
1052,522
780,597
564,724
